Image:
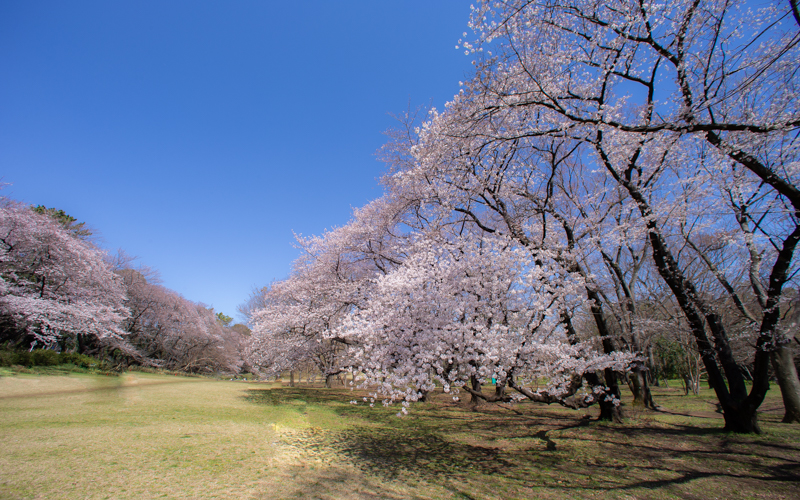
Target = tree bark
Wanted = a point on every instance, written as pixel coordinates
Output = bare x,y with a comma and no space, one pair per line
786,373
640,387
608,410
475,400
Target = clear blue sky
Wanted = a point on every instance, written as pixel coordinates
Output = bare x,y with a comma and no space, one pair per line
199,135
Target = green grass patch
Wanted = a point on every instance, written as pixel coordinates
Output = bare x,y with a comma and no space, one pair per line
49,361
141,435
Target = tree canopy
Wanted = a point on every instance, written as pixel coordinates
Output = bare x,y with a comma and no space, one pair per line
615,178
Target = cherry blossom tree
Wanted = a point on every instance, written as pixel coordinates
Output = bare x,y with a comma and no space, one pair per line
472,307
538,191
166,330
603,139
294,319
647,93
410,298
54,285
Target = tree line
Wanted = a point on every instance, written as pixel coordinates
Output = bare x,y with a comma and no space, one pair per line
612,195
59,291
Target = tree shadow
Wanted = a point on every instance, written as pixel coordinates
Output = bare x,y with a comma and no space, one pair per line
529,445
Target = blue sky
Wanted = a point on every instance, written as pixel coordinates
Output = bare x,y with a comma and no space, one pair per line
199,135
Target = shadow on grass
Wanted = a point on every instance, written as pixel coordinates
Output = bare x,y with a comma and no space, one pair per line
530,446
415,445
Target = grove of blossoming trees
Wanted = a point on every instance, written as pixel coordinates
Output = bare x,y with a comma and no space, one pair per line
614,173
59,291
691,109
169,331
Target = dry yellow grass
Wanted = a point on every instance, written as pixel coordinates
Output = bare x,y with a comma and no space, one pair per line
156,436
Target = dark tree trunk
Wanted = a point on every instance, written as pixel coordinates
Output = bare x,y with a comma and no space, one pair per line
476,386
291,378
329,380
609,411
611,405
738,409
652,372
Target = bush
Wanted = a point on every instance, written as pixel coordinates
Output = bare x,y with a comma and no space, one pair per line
23,358
80,360
6,358
44,357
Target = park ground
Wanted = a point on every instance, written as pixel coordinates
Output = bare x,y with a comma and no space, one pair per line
140,435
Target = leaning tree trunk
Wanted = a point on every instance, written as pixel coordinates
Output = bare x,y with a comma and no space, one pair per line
738,409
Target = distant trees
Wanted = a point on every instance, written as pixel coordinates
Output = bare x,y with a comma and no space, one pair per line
169,331
66,221
223,319
58,291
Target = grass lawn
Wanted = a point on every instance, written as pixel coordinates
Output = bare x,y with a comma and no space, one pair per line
156,436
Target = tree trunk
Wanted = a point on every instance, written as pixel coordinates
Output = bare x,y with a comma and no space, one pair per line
786,373
652,372
611,410
291,378
648,396
474,400
640,387
608,410
500,389
743,420
329,380
738,409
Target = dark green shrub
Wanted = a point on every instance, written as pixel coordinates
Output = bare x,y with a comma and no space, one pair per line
23,358
6,358
80,360
44,357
